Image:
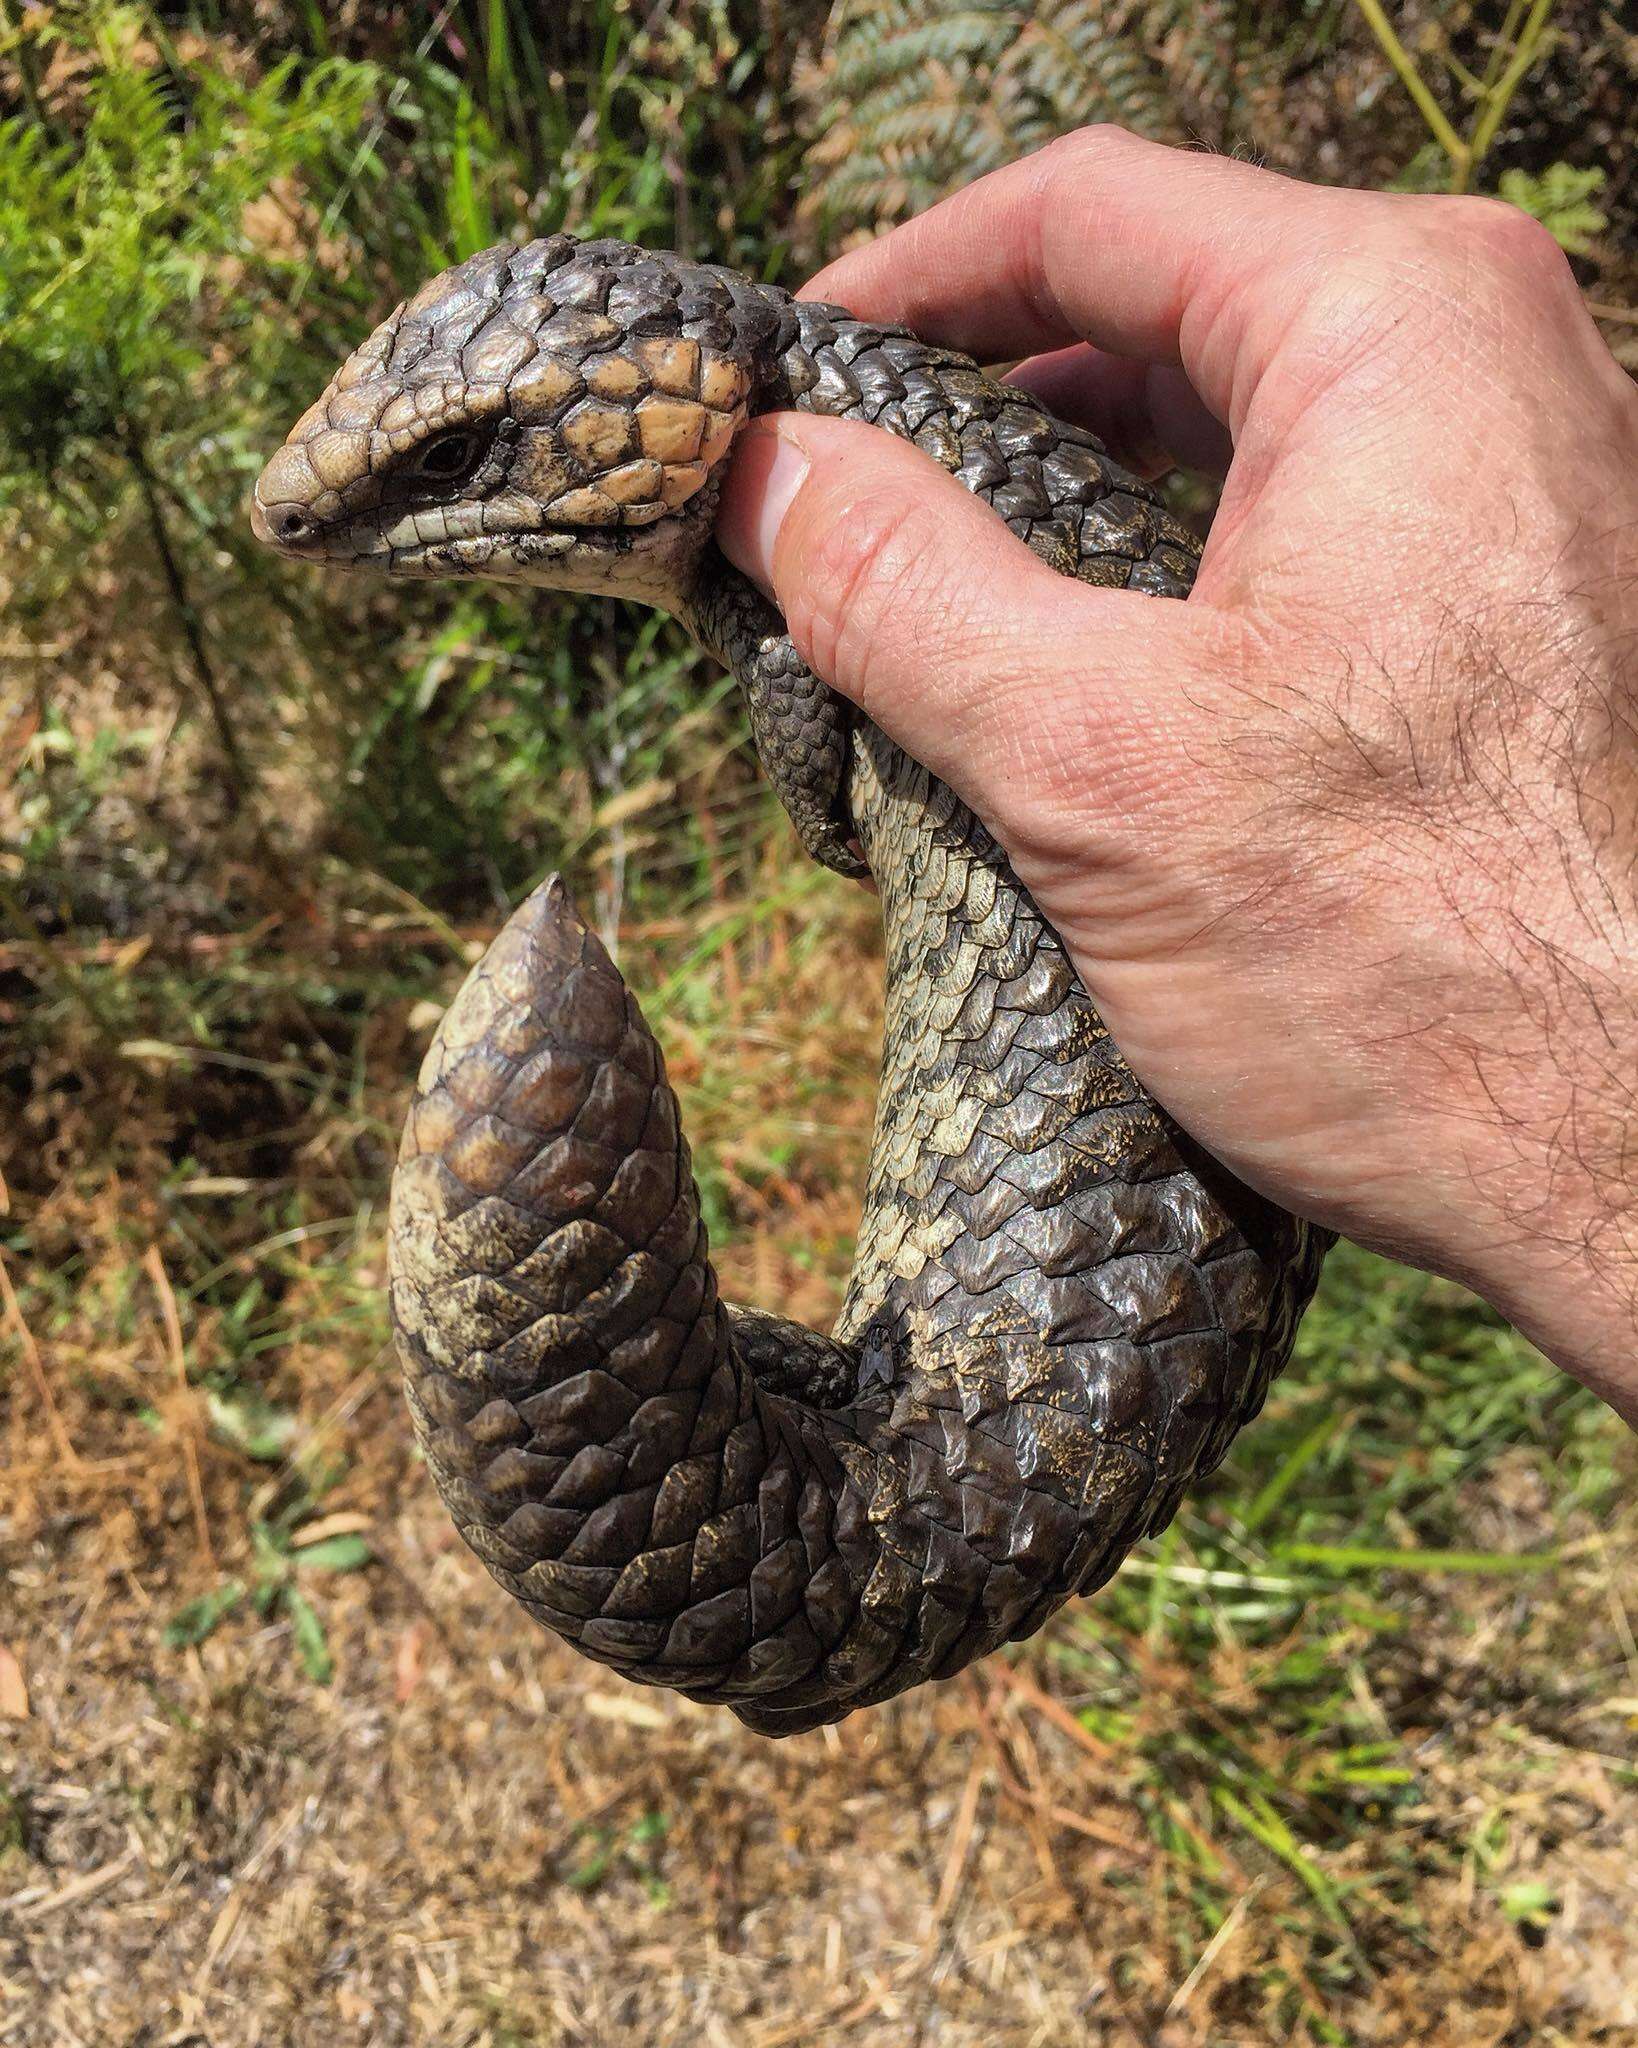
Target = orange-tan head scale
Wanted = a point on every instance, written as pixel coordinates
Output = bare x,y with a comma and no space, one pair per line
554,414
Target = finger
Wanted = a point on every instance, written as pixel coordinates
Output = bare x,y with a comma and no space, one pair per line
1148,414
1166,254
911,597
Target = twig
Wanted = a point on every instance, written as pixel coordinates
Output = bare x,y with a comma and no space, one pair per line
1057,1713
1399,57
154,1266
1063,1816
28,1907
961,1840
31,1357
1494,92
1532,43
1503,43
1624,316
1028,1759
1214,1948
464,950
1021,1795
187,614
1095,1831
843,2011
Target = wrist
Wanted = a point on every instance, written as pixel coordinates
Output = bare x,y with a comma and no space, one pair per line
1535,1075
1543,1222
1572,1289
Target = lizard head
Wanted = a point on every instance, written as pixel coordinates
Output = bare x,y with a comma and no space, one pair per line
556,414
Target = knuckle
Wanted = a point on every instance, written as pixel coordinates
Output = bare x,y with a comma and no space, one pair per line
1501,233
1428,270
1082,152
1094,138
1352,315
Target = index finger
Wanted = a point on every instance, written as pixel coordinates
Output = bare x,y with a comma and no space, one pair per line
1137,247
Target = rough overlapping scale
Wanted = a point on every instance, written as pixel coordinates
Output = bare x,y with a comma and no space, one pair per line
1060,1312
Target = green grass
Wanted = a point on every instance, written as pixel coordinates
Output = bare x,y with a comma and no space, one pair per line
1274,1669
211,1056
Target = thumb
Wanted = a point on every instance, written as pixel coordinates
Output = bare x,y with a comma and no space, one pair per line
1020,687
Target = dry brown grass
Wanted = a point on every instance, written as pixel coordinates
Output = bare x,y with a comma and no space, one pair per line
472,1836
1239,1799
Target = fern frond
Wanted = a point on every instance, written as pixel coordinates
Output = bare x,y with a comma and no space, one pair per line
882,89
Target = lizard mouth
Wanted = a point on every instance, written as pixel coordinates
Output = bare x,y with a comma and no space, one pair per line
431,543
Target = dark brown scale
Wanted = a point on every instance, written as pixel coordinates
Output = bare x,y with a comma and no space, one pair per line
1060,1313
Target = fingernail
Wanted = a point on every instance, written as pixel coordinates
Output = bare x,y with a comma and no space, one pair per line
767,472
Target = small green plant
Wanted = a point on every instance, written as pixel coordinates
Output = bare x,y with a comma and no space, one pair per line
243,1416
602,1853
119,241
1561,199
1529,1904
1453,158
279,1557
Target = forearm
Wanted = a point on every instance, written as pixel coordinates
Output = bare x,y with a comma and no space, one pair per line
1544,1221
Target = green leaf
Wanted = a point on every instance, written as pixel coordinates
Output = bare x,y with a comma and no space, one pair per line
332,1554
1531,1903
271,1546
1296,1461
251,1423
1264,1824
1560,198
472,226
196,1621
588,1875
308,1632
1364,1557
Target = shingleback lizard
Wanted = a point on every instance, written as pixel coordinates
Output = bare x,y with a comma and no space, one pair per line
1061,1310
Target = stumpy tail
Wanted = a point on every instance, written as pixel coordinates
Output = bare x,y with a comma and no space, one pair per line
687,1491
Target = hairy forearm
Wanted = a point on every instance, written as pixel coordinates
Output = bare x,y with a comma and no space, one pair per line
1547,1227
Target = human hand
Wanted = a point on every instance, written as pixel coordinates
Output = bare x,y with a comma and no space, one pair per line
1345,847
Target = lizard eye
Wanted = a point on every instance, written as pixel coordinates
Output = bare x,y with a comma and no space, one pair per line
450,457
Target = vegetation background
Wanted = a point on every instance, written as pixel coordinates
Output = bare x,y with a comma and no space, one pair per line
1349,1755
